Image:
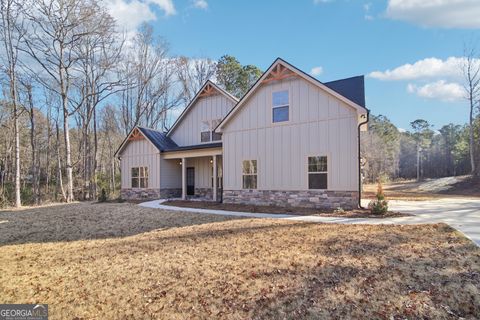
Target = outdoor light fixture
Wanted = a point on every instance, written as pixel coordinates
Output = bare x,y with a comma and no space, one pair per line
180,163
211,160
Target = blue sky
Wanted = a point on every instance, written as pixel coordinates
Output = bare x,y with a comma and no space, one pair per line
333,39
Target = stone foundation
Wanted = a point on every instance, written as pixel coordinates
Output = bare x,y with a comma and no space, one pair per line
170,193
140,194
319,199
205,193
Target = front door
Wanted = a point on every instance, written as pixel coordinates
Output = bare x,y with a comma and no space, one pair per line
190,181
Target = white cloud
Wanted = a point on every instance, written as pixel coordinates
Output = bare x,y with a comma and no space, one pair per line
437,13
321,1
200,4
426,68
366,9
316,71
131,14
441,89
166,5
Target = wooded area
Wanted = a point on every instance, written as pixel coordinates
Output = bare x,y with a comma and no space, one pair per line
73,86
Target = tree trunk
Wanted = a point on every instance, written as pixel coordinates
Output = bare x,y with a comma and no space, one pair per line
95,150
418,163
471,138
18,201
59,182
68,157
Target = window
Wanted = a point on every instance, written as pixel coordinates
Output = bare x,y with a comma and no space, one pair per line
280,106
140,177
249,177
216,136
317,172
205,132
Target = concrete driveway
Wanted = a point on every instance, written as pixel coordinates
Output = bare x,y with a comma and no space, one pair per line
461,214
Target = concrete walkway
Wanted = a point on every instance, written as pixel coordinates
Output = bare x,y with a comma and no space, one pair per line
461,214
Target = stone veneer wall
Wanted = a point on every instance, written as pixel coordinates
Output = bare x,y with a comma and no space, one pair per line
170,193
205,193
139,194
320,199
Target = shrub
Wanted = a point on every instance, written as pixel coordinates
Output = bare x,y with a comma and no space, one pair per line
379,205
103,196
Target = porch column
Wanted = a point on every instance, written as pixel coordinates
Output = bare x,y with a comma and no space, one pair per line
184,178
215,178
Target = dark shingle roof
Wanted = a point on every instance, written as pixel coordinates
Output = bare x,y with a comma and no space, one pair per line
159,139
197,146
351,88
164,143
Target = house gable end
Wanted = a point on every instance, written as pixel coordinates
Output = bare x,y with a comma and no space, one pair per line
209,89
282,70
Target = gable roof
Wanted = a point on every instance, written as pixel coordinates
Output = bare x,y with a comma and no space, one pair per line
352,88
157,138
196,97
341,89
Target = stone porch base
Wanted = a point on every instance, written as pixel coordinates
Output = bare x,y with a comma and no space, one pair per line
140,194
170,193
319,199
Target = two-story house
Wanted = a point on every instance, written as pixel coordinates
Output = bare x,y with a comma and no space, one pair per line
291,140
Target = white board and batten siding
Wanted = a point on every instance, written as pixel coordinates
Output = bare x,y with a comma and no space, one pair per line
319,125
140,153
215,107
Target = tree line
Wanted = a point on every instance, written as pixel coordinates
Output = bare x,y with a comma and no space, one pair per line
419,152
73,85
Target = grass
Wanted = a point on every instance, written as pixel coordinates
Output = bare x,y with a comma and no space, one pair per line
356,213
428,189
122,261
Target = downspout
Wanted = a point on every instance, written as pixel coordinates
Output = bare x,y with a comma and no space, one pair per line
359,162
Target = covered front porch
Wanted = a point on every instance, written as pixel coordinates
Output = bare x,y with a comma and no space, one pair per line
201,171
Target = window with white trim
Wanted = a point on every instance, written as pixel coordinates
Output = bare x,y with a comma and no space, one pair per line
317,172
280,106
249,174
140,177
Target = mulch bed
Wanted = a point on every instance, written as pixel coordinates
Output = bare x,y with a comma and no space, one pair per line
356,213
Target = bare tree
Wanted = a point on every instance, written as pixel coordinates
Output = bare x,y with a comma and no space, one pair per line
12,32
100,52
193,73
151,90
56,27
471,73
29,107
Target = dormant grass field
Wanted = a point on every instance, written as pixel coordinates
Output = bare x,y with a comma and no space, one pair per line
121,261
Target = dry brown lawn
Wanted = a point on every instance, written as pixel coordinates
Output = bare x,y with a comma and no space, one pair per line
120,261
428,189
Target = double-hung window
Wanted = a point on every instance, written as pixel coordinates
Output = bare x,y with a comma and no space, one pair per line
249,174
317,172
140,177
280,106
